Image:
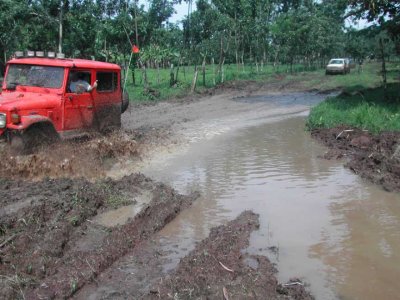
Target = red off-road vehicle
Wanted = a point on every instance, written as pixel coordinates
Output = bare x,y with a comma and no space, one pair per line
44,99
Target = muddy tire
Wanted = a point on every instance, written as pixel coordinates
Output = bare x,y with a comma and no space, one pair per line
125,102
32,138
17,144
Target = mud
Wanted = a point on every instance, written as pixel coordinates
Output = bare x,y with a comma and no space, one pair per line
219,268
374,157
59,237
89,157
50,248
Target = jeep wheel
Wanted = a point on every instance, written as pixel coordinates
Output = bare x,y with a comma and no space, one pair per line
17,144
26,142
32,138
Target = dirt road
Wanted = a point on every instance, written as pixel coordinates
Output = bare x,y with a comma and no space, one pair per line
61,233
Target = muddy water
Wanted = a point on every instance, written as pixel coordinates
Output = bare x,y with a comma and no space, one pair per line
319,222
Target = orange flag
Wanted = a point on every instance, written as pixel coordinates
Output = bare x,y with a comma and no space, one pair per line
135,49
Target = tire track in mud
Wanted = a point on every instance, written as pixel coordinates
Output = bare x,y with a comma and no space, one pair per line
41,252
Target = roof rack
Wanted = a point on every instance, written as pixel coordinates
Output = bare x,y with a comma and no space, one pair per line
39,54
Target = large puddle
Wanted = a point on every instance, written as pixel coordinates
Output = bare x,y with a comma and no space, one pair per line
319,221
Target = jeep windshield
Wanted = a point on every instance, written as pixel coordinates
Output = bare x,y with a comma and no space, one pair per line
34,75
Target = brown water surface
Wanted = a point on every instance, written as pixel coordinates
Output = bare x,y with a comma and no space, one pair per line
319,221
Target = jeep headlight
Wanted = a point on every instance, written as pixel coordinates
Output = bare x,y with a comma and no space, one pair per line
2,120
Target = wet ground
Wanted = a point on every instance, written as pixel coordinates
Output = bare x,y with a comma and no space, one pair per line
318,220
375,157
322,227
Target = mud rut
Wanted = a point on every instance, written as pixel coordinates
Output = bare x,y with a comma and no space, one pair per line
51,246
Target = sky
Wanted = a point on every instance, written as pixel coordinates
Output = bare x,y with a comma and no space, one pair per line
182,11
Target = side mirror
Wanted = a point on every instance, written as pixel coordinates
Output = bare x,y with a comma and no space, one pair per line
11,86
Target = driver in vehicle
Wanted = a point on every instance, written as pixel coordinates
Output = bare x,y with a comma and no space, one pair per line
78,84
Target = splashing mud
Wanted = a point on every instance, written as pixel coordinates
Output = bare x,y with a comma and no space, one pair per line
89,158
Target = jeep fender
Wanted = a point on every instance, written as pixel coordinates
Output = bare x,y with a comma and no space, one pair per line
28,121
32,132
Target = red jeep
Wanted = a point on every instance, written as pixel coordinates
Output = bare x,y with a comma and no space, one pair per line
44,99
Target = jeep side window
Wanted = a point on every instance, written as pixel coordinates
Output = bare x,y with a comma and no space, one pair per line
107,81
79,82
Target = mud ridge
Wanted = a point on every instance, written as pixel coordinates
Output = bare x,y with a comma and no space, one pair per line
373,157
42,244
218,268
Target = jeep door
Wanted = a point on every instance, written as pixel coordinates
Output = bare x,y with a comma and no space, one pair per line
78,102
108,99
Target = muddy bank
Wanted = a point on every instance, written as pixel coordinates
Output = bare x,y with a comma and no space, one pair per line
373,157
219,268
50,244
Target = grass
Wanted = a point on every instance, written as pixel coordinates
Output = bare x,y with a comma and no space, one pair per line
362,103
162,90
366,109
370,77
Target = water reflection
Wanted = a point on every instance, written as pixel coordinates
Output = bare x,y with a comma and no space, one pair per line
327,225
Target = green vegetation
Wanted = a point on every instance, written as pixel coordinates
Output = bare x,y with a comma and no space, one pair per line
233,39
225,36
370,77
159,81
362,103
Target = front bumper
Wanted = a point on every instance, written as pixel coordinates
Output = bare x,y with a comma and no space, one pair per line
334,71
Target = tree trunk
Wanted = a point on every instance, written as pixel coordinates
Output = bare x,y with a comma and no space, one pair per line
214,71
203,69
144,76
276,57
194,81
60,30
236,46
256,64
383,67
243,61
177,69
291,66
222,72
158,73
171,76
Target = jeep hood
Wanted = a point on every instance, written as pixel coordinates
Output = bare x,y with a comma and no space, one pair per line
27,100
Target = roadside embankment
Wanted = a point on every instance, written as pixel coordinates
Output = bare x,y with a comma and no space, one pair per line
375,157
364,128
